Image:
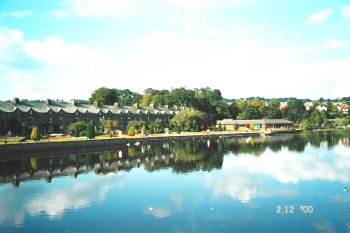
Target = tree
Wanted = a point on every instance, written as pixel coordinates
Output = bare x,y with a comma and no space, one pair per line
103,95
220,127
131,131
188,119
110,125
35,134
76,128
305,124
90,130
236,126
146,99
178,129
224,128
143,129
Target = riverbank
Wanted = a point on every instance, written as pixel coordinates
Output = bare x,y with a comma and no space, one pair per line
107,142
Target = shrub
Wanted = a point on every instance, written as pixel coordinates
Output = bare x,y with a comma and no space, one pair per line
143,129
131,131
90,130
82,134
35,134
251,127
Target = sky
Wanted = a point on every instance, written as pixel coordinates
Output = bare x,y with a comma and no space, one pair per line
65,49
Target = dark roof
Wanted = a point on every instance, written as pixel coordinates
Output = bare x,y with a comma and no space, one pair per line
255,121
42,107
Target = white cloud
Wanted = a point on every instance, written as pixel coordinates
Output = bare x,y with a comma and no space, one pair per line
77,196
42,69
319,17
240,175
345,11
17,14
106,8
336,43
59,13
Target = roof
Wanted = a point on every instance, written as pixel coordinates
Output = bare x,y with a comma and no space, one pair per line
343,106
43,107
255,121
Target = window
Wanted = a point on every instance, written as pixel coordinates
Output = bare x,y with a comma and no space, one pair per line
50,113
30,120
30,112
50,129
61,127
50,119
61,120
77,113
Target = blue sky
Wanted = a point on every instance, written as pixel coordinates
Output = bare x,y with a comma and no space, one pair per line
66,49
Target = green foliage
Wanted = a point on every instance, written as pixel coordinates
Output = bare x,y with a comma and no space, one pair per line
108,96
224,128
236,127
90,130
131,131
220,127
305,124
75,128
35,134
82,134
110,125
178,129
143,129
103,95
188,119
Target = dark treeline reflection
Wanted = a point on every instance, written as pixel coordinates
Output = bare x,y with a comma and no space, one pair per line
180,156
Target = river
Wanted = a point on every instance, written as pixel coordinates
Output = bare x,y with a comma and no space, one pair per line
283,183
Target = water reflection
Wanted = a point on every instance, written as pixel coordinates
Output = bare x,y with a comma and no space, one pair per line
279,152
139,182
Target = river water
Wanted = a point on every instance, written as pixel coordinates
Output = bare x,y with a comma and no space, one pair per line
286,183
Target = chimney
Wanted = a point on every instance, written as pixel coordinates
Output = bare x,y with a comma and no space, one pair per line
116,104
136,105
96,104
151,105
15,100
175,107
166,106
73,102
48,102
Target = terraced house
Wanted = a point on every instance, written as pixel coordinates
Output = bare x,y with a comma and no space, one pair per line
55,117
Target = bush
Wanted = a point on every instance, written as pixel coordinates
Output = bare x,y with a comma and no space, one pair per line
220,127
143,129
35,134
224,128
131,131
251,127
82,134
236,126
74,129
90,130
178,129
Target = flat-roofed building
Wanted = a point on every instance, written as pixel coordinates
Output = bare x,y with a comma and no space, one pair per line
258,123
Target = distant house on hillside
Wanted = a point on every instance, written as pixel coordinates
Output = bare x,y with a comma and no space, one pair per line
283,105
308,106
343,108
258,124
321,108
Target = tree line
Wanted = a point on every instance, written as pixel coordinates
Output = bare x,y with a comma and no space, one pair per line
204,106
